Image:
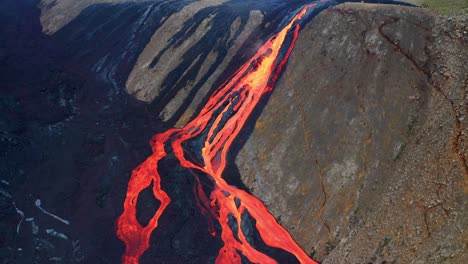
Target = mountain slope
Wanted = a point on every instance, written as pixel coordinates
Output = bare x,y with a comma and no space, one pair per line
361,149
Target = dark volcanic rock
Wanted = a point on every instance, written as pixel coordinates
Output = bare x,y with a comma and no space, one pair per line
66,139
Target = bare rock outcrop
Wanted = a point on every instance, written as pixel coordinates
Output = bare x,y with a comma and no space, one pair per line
360,151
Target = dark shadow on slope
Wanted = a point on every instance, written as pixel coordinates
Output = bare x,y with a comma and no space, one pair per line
108,38
65,140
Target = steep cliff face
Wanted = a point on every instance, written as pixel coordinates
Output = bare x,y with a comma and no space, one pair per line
360,150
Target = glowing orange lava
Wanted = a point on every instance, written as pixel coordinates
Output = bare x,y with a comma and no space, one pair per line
222,118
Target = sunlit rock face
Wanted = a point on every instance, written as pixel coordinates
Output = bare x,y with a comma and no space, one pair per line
167,53
358,151
57,14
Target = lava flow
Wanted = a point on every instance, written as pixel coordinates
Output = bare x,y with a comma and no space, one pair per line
219,122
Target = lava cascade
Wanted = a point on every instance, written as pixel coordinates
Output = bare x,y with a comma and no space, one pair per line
220,120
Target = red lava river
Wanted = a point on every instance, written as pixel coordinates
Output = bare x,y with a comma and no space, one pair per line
221,119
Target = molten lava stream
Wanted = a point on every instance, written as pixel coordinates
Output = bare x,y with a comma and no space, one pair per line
221,119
